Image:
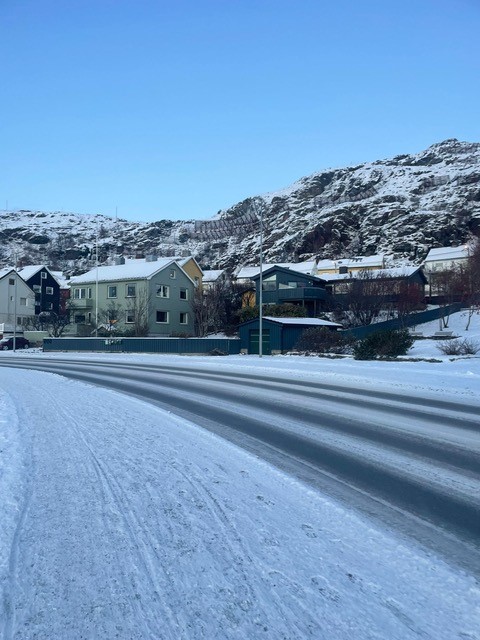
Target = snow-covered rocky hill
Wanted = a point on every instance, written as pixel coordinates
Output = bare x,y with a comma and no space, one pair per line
401,206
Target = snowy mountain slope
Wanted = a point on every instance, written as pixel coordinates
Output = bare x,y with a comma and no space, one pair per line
400,206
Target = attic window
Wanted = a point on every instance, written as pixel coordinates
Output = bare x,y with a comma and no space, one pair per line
44,275
11,281
172,273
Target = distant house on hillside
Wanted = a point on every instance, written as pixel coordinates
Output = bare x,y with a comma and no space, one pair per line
445,258
247,274
213,277
393,280
439,266
146,296
350,265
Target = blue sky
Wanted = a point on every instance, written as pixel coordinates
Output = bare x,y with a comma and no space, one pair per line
177,109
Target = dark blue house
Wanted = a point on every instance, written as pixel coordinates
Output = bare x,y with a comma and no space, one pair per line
282,285
45,286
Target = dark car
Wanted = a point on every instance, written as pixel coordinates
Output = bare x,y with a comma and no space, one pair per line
20,343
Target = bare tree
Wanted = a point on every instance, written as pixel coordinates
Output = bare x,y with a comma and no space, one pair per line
139,310
54,323
110,317
209,308
368,299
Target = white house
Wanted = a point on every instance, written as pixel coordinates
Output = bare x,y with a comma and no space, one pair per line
17,301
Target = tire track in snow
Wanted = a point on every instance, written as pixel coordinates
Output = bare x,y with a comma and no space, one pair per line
114,493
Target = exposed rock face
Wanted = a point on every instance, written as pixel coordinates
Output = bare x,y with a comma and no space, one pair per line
402,206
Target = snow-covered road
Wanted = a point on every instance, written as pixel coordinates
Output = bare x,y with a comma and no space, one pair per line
120,520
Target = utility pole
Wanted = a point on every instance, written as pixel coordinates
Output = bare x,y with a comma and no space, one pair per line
15,307
260,283
96,284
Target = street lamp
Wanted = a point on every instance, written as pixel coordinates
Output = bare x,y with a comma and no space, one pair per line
260,283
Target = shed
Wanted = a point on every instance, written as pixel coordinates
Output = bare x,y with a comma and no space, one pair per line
279,334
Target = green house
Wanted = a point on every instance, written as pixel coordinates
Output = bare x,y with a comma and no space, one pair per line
151,296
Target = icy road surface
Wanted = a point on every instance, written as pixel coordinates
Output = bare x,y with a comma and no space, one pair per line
119,520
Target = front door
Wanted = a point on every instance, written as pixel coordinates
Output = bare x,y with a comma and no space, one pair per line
254,340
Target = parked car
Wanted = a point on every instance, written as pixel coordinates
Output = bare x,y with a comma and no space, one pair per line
20,343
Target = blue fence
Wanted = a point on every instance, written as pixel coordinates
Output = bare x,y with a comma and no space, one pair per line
402,323
198,346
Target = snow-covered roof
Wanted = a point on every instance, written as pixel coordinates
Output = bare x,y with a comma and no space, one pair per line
132,270
30,270
5,271
447,253
311,322
359,262
60,278
247,273
392,272
212,275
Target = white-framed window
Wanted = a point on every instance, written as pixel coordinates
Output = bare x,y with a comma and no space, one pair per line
183,318
130,291
43,275
89,292
79,293
49,291
183,294
163,291
112,291
162,317
37,288
23,302
129,317
173,273
50,306
89,318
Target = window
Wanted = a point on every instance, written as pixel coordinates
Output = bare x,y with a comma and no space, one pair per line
172,273
89,292
79,318
49,291
49,306
162,316
89,317
43,275
11,281
183,294
112,291
79,294
163,291
130,317
37,288
23,302
269,283
183,318
131,291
